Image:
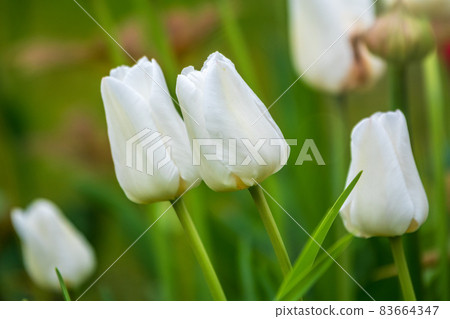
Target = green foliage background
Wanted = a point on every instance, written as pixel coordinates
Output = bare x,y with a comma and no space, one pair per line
53,144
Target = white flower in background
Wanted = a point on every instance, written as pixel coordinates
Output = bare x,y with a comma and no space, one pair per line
224,107
389,199
49,240
136,99
327,46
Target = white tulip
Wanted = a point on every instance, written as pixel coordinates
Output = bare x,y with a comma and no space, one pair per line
49,240
326,43
389,199
136,100
221,106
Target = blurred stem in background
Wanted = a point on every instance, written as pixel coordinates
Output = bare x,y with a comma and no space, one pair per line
246,269
340,130
157,33
199,250
237,42
105,19
271,228
436,117
398,82
402,268
163,252
117,207
202,216
399,88
242,56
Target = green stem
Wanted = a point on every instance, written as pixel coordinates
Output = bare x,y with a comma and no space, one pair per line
237,42
159,38
340,143
246,270
402,268
399,88
340,130
104,16
164,262
271,228
64,290
436,123
399,100
199,250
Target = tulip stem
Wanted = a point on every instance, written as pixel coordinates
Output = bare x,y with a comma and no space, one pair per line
399,88
402,268
340,125
271,228
399,100
436,123
199,250
104,16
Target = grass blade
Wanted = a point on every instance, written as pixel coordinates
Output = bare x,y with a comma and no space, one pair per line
63,286
312,247
309,277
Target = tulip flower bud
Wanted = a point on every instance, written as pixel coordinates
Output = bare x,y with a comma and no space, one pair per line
389,199
49,240
434,9
400,37
327,47
137,101
233,122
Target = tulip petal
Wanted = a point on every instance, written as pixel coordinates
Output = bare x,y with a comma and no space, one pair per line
325,42
170,123
396,127
123,124
137,103
49,241
389,197
227,111
315,26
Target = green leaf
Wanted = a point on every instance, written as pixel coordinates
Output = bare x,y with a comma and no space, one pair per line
63,286
312,247
309,277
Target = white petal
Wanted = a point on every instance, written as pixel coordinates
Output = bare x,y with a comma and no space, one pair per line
397,129
170,123
322,59
49,241
190,95
326,49
227,110
359,13
128,114
389,197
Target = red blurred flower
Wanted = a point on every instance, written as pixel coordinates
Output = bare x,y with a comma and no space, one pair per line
446,53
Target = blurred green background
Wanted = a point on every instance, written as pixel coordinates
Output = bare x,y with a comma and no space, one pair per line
53,144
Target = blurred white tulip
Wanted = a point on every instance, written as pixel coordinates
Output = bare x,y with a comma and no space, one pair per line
389,199
224,108
326,43
49,240
136,101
